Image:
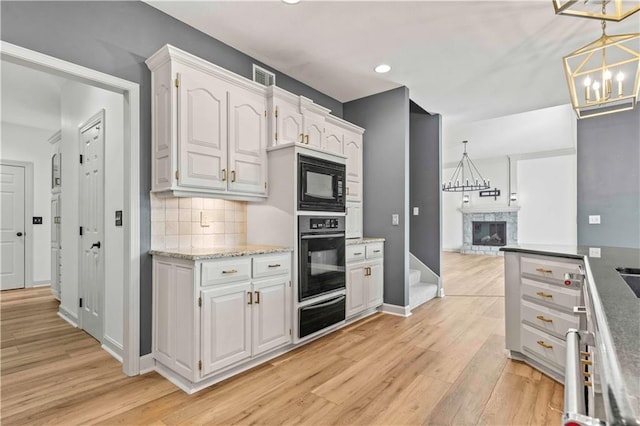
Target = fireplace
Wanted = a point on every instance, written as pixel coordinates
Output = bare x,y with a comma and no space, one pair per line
489,233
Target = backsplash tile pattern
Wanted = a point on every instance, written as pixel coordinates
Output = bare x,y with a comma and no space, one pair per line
175,223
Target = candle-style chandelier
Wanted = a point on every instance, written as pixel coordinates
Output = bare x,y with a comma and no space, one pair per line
604,75
466,176
592,8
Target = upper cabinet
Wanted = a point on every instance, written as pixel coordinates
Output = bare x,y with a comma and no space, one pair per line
209,131
353,151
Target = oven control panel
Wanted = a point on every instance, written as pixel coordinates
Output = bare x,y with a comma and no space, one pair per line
319,223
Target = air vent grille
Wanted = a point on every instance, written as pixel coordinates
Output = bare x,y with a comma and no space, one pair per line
262,76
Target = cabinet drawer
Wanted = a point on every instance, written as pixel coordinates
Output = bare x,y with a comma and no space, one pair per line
544,345
547,319
355,253
218,272
563,297
547,268
375,250
267,266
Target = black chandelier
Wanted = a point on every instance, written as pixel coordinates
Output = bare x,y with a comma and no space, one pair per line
466,177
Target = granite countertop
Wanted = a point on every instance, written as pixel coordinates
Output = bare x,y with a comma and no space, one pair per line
365,240
620,305
219,252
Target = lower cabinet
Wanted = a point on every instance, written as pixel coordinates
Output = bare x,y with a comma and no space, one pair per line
203,325
365,277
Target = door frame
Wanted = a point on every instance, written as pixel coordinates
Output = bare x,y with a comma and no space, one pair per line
28,214
98,117
131,185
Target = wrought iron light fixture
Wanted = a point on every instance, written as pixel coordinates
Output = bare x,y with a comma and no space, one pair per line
466,177
604,75
592,8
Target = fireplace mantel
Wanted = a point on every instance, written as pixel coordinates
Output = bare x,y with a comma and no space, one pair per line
489,209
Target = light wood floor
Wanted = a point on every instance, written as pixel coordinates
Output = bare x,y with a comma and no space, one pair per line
445,364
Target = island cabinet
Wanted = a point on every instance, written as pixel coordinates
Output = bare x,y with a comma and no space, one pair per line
209,129
365,277
211,316
540,294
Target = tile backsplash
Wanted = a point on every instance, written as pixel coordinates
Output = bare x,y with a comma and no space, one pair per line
178,223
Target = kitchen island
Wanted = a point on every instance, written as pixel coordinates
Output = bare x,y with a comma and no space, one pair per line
616,314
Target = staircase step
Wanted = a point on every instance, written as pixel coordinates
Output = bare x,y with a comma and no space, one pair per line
414,276
421,293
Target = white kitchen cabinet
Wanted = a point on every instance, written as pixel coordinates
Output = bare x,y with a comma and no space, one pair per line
271,313
313,130
333,139
286,119
365,278
56,247
354,220
353,151
209,129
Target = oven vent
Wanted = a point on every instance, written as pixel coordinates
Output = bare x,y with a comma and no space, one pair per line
262,76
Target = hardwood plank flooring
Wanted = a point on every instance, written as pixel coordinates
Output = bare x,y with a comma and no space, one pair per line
445,364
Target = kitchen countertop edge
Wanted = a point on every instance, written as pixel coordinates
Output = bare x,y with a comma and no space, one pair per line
364,240
219,252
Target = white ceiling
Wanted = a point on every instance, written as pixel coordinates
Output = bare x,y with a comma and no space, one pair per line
467,60
30,97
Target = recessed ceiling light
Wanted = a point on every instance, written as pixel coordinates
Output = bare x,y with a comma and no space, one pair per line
291,1
382,68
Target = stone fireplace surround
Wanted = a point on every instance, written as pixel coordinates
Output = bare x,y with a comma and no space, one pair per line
488,214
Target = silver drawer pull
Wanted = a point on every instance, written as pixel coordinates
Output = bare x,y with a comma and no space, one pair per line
357,254
277,265
376,251
230,271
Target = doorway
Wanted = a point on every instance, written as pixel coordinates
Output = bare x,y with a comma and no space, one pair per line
12,229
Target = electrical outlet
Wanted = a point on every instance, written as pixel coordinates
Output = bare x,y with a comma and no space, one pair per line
594,219
416,211
205,220
594,251
395,219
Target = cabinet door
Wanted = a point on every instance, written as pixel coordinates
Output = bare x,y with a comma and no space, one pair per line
356,291
333,140
354,220
313,131
353,151
226,326
288,125
247,142
375,284
55,227
202,130
271,313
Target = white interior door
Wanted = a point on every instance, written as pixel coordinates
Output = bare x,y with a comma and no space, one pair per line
12,227
91,223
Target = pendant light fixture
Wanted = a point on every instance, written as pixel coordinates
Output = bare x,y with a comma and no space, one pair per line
466,177
604,75
592,8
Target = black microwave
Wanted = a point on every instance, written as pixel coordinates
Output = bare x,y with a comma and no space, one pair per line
321,184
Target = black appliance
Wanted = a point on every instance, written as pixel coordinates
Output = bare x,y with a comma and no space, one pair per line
321,185
321,263
321,315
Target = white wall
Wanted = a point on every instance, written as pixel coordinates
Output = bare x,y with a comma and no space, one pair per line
79,103
545,184
29,144
547,196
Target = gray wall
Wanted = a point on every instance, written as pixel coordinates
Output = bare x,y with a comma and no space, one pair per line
609,179
424,184
385,117
116,38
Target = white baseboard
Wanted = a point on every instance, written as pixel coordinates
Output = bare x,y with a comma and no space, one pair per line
147,364
68,316
452,250
441,292
401,311
114,348
44,283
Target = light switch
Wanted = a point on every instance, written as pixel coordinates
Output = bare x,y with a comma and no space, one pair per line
594,219
594,251
416,211
395,219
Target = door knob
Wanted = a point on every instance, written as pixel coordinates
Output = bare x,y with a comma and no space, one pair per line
19,234
96,245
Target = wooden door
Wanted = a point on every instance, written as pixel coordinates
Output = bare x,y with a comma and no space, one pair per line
226,326
353,151
12,226
247,142
356,296
202,131
375,284
271,313
91,205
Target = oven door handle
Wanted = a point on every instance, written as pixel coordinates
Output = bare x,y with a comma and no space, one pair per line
322,305
316,236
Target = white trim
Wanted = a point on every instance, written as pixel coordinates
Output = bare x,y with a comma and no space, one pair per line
112,347
441,292
41,283
147,364
489,209
68,316
425,271
131,190
28,214
401,311
451,250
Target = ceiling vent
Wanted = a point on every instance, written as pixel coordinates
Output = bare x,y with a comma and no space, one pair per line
262,76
